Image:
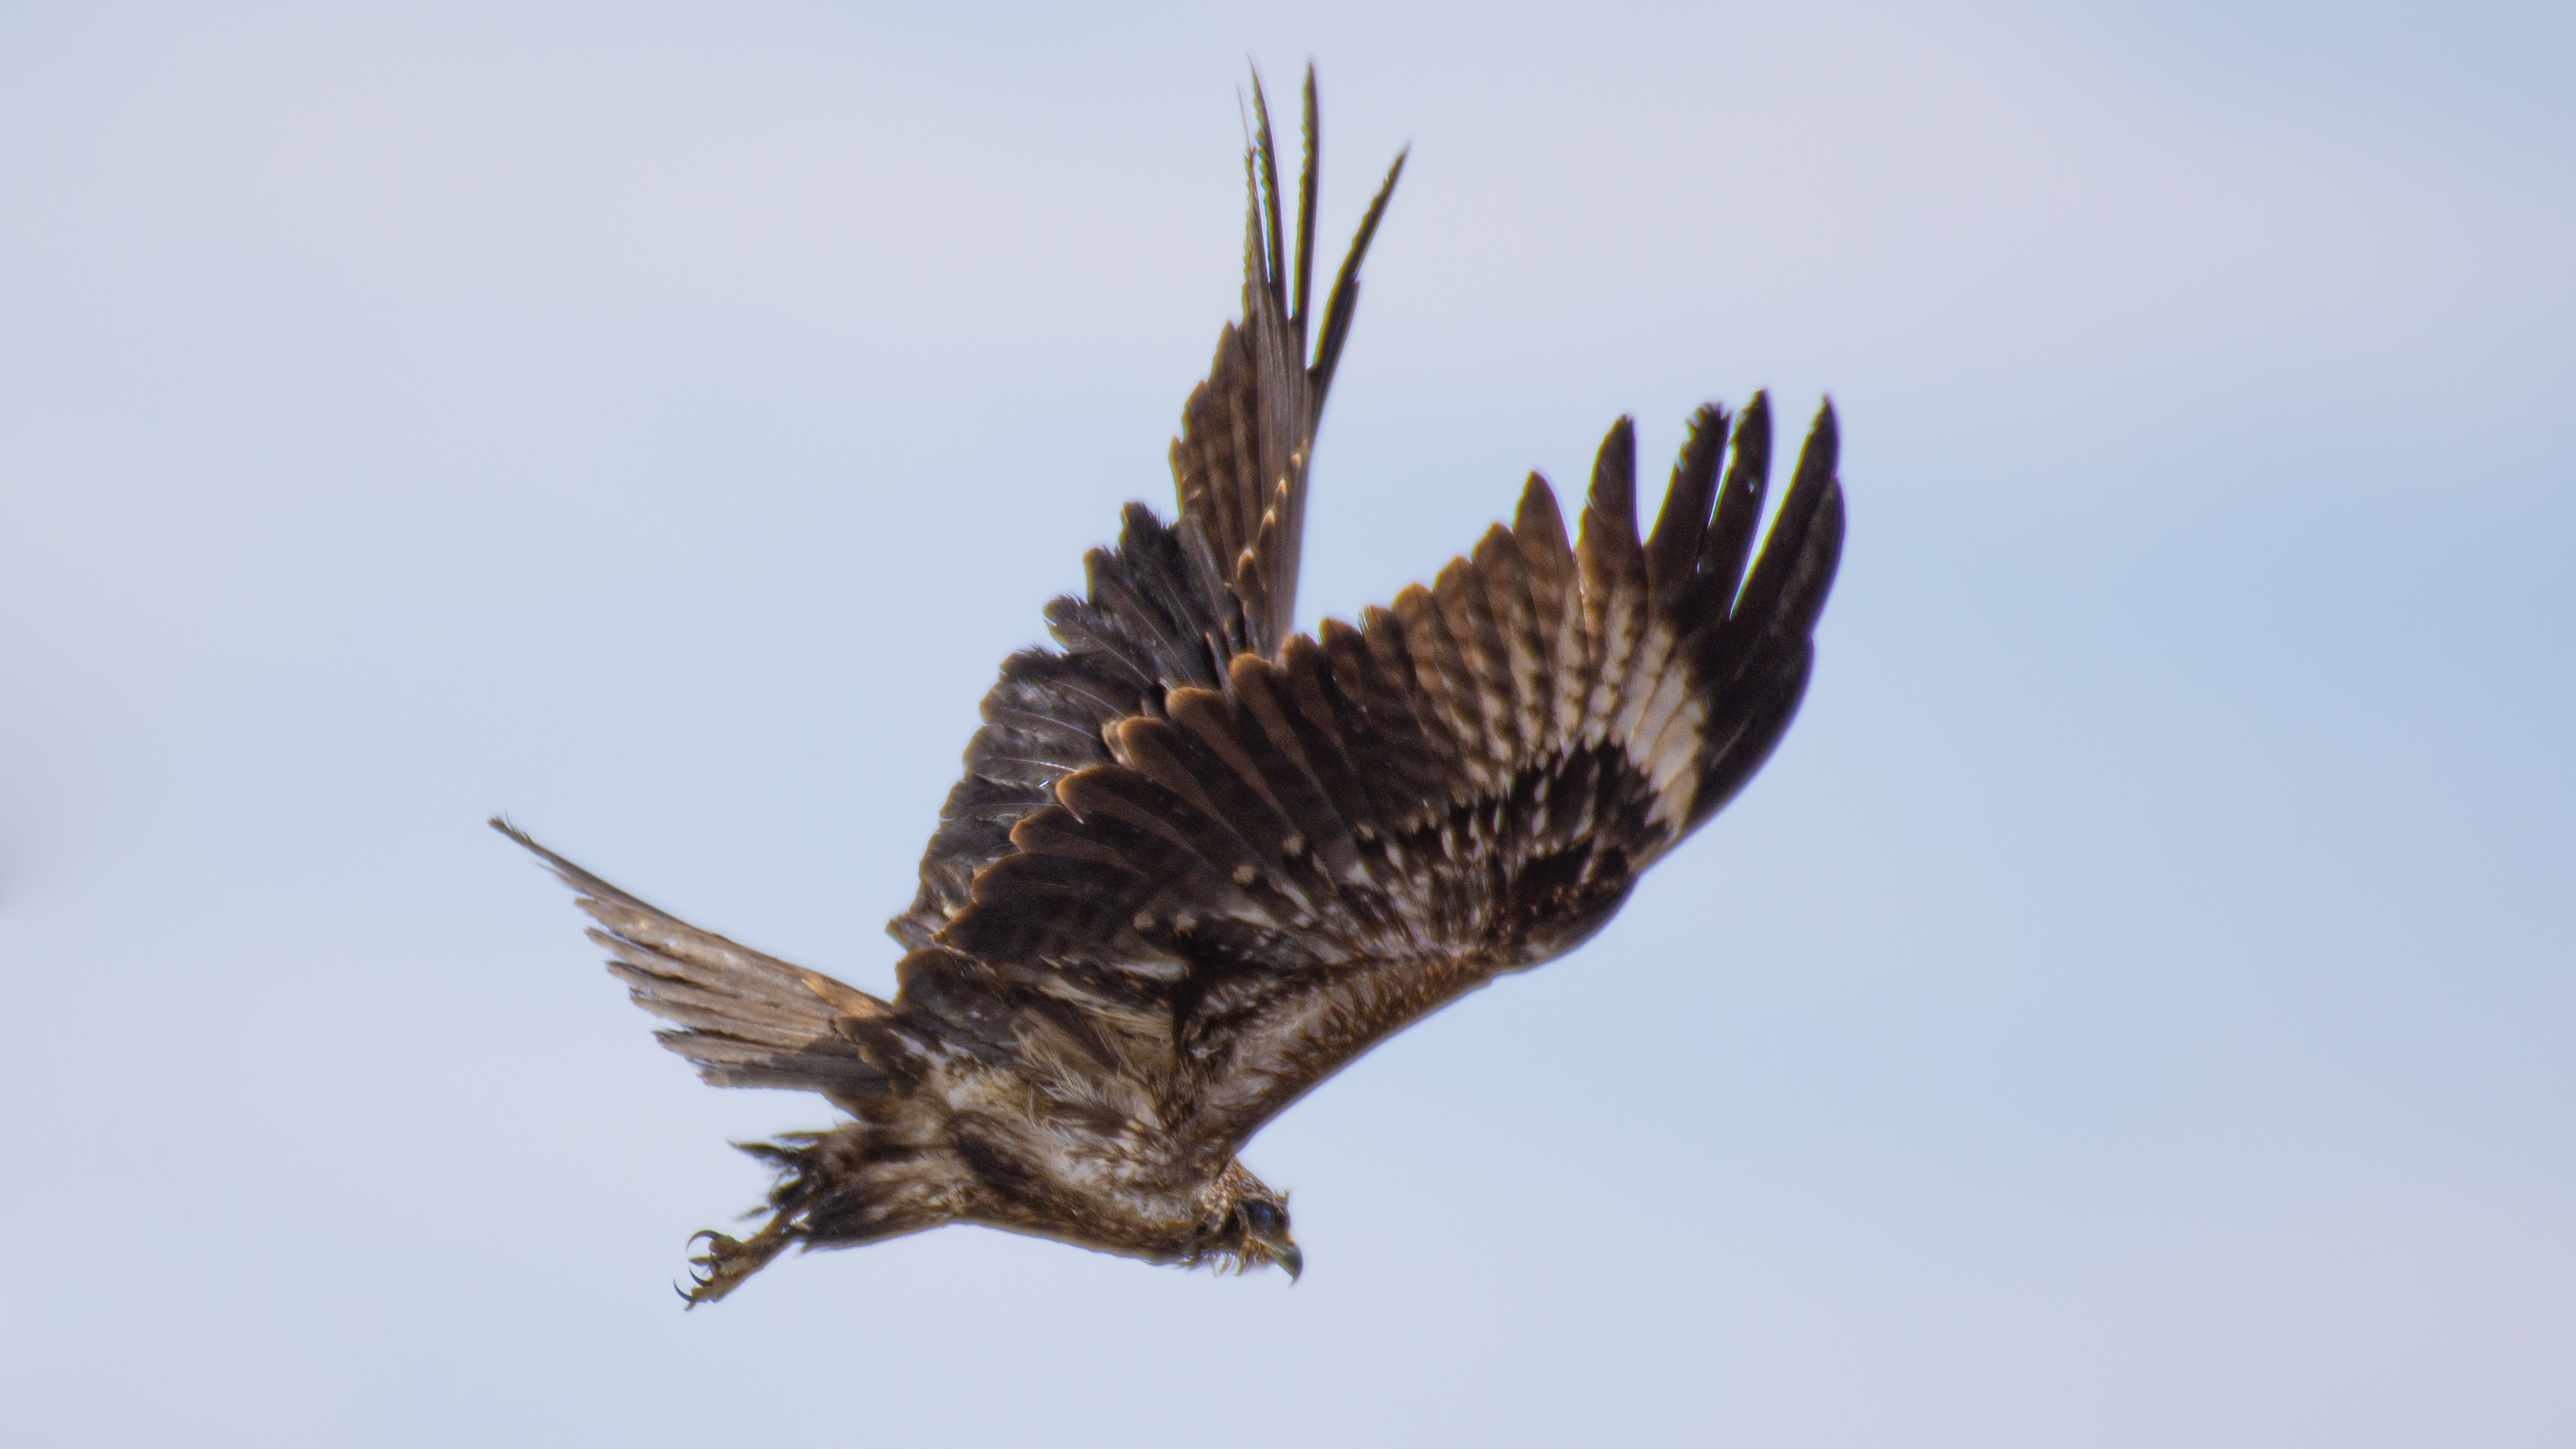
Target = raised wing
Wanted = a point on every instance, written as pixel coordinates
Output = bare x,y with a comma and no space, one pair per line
1291,862
1170,605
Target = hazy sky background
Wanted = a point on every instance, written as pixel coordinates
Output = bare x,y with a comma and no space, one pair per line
2137,1006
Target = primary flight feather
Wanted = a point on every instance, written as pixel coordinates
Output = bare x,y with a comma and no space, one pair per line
1198,862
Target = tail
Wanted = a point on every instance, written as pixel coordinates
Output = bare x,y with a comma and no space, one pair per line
749,1020
744,1019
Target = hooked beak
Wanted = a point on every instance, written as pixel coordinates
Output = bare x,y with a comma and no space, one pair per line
1288,1257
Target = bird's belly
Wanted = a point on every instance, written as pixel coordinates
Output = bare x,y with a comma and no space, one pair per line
1091,1189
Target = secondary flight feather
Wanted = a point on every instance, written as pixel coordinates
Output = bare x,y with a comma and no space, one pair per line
1198,862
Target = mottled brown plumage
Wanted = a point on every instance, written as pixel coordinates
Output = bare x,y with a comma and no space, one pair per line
1198,862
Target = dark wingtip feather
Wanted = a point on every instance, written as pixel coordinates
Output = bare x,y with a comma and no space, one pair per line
1537,512
1818,455
1673,551
1309,182
1768,702
1796,570
1756,421
1729,540
1819,558
1345,296
1824,440
1268,149
1614,480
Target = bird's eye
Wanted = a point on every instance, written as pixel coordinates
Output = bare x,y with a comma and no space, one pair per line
1262,1218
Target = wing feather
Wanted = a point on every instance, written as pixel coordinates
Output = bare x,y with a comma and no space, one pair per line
1614,583
1512,616
1555,591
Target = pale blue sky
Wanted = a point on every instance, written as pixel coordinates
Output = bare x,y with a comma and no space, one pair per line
2135,1007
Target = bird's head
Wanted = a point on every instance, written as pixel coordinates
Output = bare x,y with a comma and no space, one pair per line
1253,1227
1262,1227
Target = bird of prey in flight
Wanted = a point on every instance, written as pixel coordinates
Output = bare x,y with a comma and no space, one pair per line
1199,862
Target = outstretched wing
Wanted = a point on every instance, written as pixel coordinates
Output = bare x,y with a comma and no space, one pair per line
1171,604
1293,861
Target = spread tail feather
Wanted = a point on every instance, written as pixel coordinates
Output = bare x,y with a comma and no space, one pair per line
745,1019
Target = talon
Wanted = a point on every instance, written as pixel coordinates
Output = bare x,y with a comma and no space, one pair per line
727,1261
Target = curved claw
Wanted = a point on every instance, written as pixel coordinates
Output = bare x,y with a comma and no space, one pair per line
727,1261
